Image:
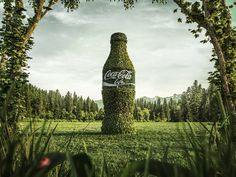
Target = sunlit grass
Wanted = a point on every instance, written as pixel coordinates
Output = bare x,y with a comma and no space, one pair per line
121,149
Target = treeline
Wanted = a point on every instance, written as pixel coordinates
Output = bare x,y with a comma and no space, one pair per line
53,105
195,104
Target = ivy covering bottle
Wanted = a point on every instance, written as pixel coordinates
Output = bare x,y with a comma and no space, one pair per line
118,89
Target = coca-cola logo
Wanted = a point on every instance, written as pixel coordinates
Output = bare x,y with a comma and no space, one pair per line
119,77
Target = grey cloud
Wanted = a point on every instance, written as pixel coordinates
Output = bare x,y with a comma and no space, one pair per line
71,48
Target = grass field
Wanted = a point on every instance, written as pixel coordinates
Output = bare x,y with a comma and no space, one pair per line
120,149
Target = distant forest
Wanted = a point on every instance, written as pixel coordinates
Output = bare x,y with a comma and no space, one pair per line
195,104
52,105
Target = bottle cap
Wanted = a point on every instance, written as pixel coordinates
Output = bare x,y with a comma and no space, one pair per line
118,37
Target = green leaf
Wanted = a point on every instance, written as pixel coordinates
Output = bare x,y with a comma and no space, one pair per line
196,35
156,168
48,162
204,41
82,165
47,8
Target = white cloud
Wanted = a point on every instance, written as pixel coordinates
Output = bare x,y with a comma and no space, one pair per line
71,49
72,19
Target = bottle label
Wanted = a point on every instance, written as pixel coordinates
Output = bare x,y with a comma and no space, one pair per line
117,78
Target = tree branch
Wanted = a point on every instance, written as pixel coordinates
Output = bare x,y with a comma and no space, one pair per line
37,17
188,13
50,4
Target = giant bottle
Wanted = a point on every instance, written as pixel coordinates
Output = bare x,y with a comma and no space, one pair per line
118,89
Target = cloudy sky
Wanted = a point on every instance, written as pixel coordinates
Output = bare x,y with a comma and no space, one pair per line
71,48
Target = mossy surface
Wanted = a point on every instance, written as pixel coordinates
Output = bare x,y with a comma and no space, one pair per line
119,106
118,92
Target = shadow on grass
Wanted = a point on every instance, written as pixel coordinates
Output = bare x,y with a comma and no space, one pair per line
73,133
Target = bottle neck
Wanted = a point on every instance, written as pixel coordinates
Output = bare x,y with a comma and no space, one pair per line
119,49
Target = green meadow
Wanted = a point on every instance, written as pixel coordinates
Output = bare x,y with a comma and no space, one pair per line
163,139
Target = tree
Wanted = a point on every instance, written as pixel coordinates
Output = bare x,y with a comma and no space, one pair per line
37,104
100,115
13,59
166,109
174,111
94,106
185,110
87,105
79,107
139,115
68,102
82,115
28,101
57,106
51,105
195,96
146,114
15,41
153,115
214,16
75,102
162,115
204,107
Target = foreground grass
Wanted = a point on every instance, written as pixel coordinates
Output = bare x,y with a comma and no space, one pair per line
117,150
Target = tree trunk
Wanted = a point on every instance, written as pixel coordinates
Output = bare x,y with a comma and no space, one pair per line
227,95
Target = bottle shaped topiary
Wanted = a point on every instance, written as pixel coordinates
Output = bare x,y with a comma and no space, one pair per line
118,89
